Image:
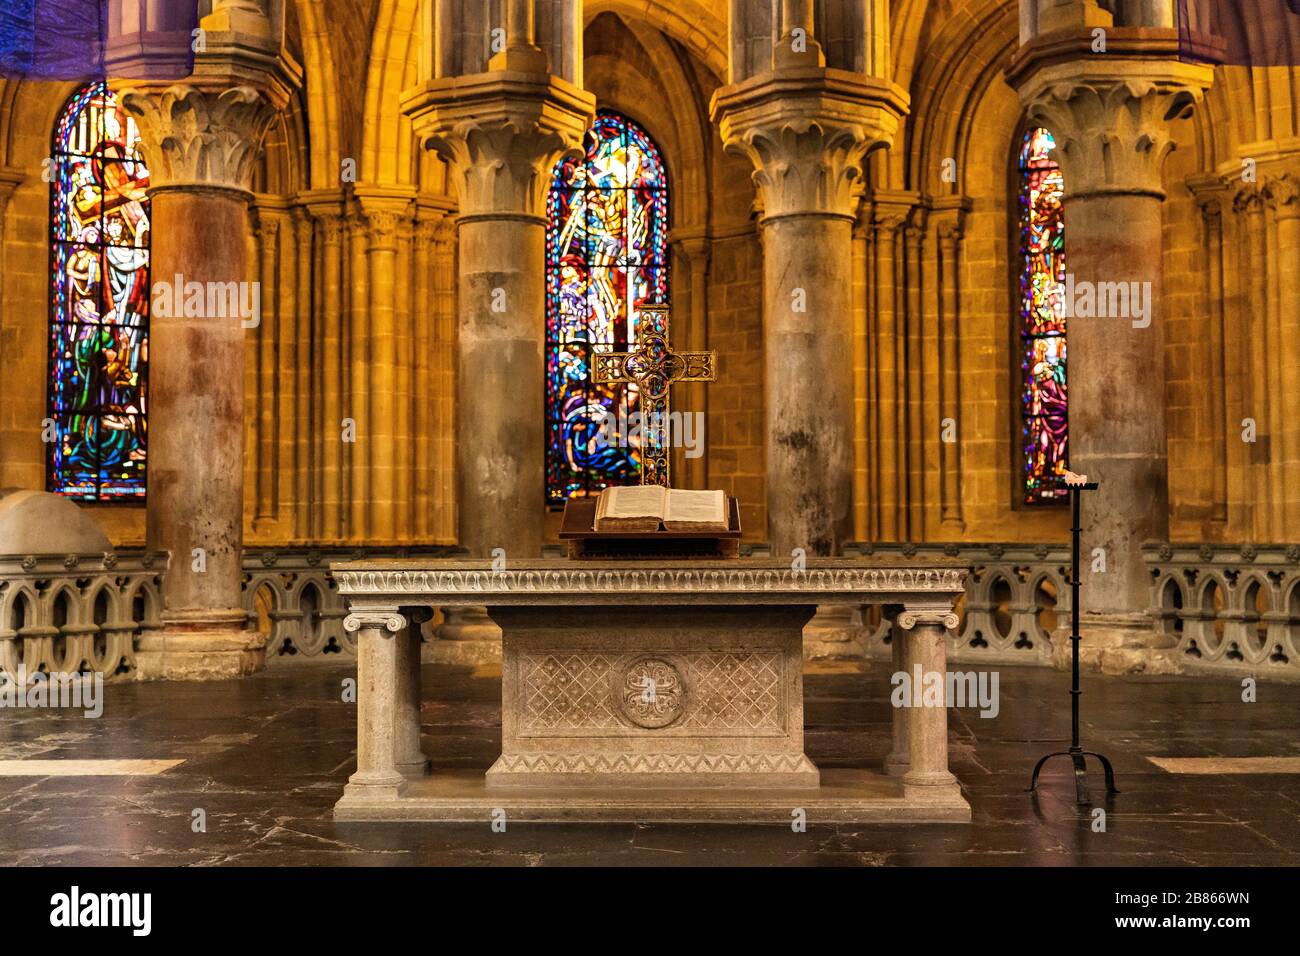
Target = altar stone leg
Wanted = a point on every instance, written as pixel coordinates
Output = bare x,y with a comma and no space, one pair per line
924,632
411,760
896,762
379,655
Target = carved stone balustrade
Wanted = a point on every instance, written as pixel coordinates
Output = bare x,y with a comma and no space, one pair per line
1227,608
77,612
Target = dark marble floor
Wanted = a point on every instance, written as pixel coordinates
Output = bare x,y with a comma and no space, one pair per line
266,758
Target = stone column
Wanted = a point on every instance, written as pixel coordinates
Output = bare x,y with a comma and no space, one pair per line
1284,195
442,284
890,216
383,212
949,230
1109,115
896,761
1249,205
426,385
10,179
328,383
265,417
501,135
923,628
1210,192
409,758
201,138
356,403
807,130
381,660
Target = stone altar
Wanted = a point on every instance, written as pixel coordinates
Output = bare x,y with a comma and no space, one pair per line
643,691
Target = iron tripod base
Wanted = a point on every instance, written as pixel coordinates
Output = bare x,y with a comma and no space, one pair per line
1076,755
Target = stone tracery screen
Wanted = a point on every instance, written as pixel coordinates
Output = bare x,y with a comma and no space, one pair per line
1044,406
99,301
606,255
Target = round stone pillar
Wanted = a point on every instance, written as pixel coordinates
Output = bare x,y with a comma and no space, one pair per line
1117,394
500,471
200,140
807,133
501,134
1109,115
196,440
807,341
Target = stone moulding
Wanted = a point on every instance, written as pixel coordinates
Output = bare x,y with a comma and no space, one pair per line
628,762
740,582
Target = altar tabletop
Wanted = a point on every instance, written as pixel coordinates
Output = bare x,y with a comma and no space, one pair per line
644,690
458,582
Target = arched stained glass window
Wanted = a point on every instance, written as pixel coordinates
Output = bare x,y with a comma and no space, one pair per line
1044,431
606,254
99,301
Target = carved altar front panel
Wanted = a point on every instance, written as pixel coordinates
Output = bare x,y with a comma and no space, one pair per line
614,695
590,692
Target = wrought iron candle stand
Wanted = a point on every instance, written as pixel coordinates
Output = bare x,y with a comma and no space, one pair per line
1076,753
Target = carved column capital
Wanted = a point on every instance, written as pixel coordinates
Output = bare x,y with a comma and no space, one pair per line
10,179
266,223
696,249
1249,198
426,230
1210,194
948,219
301,218
1111,136
196,136
501,136
1110,112
807,133
444,230
949,232
939,613
914,228
1283,194
891,216
328,218
384,214
354,222
391,621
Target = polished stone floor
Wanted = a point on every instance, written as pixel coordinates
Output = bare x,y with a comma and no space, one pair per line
265,759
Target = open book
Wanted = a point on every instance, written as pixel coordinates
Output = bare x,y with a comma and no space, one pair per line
638,508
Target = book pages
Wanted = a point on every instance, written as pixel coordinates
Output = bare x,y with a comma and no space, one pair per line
630,508
696,510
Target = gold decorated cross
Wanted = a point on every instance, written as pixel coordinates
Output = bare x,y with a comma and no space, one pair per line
654,368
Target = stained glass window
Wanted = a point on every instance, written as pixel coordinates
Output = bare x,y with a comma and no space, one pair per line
99,301
1044,430
606,254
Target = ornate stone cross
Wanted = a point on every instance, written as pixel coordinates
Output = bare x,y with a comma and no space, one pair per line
654,367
